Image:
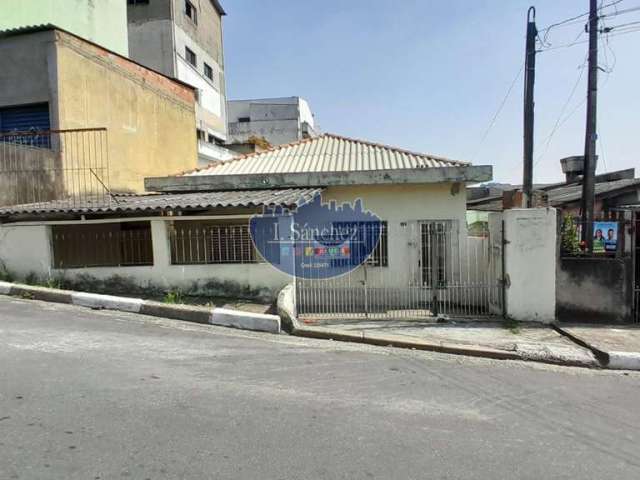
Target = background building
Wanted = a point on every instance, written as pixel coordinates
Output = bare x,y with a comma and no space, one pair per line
54,80
183,39
276,120
103,22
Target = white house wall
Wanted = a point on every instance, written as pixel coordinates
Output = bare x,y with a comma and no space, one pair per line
27,249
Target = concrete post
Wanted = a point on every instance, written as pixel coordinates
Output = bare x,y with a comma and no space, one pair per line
530,264
160,239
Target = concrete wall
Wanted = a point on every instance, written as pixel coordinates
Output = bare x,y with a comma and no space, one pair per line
27,66
149,117
402,206
530,264
29,174
595,290
103,22
26,250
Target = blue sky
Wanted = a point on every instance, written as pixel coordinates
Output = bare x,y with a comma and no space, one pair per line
429,75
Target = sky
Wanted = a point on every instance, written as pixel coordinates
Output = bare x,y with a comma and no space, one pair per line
430,75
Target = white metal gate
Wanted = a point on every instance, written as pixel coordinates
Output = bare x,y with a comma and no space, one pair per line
427,268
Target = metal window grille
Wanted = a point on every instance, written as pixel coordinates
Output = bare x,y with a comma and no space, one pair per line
380,255
196,242
102,245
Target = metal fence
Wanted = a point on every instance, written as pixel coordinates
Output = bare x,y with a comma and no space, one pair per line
636,266
432,270
70,167
201,243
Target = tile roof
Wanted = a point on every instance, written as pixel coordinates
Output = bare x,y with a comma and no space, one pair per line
159,202
327,153
558,195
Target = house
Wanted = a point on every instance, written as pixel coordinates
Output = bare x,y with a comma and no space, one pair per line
274,120
57,84
102,22
602,287
612,190
194,231
183,39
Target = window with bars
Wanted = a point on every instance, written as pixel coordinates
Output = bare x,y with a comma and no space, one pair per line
210,242
368,234
380,255
124,244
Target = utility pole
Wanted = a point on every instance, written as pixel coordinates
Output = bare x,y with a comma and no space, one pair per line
588,182
529,80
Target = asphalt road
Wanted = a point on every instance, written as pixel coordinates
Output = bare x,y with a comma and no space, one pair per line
101,395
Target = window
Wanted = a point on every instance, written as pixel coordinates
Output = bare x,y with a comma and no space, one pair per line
380,255
102,245
138,2
208,71
210,242
244,119
366,234
200,134
190,11
191,56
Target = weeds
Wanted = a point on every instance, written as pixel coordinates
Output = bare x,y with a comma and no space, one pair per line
512,325
174,296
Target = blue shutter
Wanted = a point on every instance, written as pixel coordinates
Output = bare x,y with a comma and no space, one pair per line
25,118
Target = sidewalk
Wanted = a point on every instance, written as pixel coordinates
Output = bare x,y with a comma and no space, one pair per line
530,341
618,347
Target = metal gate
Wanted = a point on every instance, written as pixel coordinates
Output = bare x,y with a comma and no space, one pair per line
420,269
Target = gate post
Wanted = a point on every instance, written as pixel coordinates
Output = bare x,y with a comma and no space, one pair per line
530,264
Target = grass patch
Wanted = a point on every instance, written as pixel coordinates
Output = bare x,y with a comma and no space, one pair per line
173,297
512,325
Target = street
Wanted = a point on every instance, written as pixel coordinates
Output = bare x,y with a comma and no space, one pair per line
99,395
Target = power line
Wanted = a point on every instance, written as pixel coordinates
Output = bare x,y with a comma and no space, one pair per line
559,120
620,12
573,20
499,110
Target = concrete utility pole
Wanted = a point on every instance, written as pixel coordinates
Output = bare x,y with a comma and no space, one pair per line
588,182
529,80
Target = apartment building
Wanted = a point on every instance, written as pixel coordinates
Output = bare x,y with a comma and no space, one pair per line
183,39
102,22
276,120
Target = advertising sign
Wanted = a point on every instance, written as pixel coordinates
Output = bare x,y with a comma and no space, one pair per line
605,237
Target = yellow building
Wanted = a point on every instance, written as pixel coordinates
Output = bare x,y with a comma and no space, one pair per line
54,80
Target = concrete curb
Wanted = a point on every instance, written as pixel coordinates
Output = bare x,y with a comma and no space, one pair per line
624,360
287,312
611,360
601,356
260,322
223,317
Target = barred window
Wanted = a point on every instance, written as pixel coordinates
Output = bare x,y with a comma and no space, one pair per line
210,242
102,245
380,255
368,233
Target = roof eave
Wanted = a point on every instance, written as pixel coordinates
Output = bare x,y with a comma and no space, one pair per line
195,183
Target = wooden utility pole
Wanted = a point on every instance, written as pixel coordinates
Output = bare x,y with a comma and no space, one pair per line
588,182
529,81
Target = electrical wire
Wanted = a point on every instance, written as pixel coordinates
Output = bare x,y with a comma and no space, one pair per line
498,111
560,121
